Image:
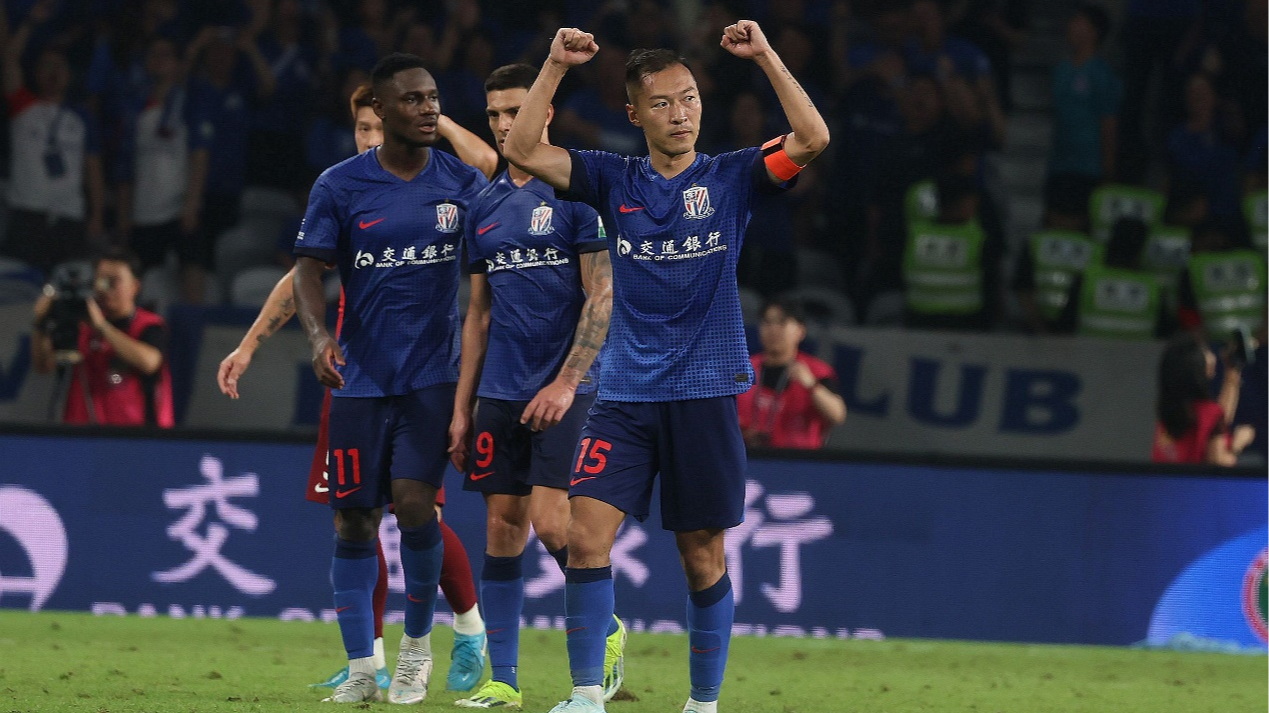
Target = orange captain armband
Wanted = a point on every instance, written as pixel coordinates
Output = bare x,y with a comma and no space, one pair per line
778,162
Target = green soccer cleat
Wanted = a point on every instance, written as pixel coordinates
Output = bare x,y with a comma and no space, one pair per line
615,660
494,694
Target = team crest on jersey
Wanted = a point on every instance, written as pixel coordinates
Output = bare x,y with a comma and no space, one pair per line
540,223
447,218
696,203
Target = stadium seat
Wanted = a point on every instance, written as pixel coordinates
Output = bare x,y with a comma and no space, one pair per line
886,310
160,288
817,268
259,201
251,287
750,305
824,305
248,244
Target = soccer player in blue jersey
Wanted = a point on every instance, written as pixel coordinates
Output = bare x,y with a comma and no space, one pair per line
675,357
390,219
541,297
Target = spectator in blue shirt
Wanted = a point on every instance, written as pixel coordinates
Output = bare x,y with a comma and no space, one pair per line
924,52
231,77
275,147
1198,150
1086,96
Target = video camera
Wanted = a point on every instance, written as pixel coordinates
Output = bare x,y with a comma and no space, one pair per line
1242,348
71,286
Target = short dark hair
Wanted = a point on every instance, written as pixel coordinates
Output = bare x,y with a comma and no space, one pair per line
118,253
363,96
792,308
390,66
644,62
511,76
1097,17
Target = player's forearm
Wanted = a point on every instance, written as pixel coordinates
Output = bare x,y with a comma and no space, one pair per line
277,311
592,329
471,149
810,133
310,300
525,137
472,359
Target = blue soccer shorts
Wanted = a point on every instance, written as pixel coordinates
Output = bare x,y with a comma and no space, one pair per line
695,446
507,458
374,441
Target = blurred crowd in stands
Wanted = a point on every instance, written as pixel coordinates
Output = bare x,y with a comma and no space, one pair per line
190,131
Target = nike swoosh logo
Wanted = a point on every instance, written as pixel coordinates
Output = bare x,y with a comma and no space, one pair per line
569,631
627,209
345,493
575,481
494,631
413,598
487,228
342,609
703,651
478,476
363,224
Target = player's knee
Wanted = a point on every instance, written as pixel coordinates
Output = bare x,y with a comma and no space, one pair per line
552,531
506,534
703,557
356,525
588,545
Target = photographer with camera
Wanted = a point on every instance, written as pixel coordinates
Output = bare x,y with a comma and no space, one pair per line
107,352
1191,426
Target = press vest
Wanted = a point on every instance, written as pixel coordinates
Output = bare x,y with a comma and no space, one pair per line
118,394
1058,256
1230,290
942,269
921,202
1123,304
1110,203
1166,254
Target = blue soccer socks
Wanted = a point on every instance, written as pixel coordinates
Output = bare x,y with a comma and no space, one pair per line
588,607
502,593
421,555
710,613
353,572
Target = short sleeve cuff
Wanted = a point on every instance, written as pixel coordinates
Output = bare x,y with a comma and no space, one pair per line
325,255
591,246
579,188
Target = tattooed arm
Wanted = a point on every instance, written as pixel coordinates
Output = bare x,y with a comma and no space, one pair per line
810,134
553,401
277,310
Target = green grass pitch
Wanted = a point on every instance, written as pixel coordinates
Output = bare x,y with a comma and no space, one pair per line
58,661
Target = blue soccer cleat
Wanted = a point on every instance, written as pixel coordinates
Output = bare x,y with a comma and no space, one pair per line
467,662
382,677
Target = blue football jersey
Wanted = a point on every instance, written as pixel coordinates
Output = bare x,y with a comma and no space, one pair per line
676,330
528,243
398,247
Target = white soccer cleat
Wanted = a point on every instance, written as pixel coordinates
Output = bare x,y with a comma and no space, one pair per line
357,688
409,684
